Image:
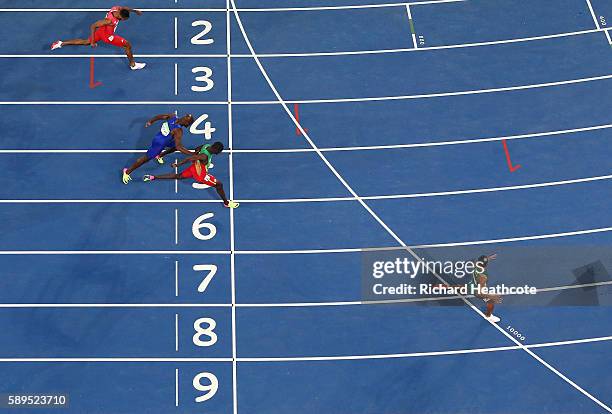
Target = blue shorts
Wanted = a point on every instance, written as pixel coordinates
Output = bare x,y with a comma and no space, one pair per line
158,144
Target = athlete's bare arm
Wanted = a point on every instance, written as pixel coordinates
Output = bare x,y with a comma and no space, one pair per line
138,12
156,118
200,157
178,141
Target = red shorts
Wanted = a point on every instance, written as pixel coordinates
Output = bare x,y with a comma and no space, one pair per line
112,39
203,177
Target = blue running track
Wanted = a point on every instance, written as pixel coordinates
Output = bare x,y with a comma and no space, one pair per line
154,298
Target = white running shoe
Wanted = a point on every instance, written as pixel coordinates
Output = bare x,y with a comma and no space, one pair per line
57,45
492,318
126,177
138,66
160,160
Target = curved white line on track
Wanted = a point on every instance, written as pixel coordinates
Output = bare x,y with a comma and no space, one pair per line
320,101
271,305
254,10
425,49
424,246
401,301
431,95
331,149
304,251
315,200
429,354
415,145
390,231
313,54
326,358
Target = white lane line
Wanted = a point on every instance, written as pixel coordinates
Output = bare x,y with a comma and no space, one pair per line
569,287
176,387
315,54
254,10
176,332
304,251
596,21
113,103
362,6
430,353
228,45
394,146
321,199
176,32
432,194
322,101
176,278
176,232
95,252
425,49
330,149
515,239
411,23
401,301
593,14
175,79
116,56
115,359
432,95
176,179
328,358
489,190
271,305
388,229
114,305
319,101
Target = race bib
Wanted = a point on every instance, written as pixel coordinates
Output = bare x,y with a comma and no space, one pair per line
165,129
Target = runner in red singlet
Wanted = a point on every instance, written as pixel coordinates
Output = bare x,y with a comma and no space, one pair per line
104,30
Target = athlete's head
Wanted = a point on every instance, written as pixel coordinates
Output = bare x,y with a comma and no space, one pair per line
187,120
484,260
216,148
124,14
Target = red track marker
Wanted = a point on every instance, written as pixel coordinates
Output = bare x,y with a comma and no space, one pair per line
511,167
296,111
92,82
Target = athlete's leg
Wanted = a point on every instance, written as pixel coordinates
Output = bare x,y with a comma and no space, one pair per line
128,51
119,41
138,163
127,171
76,42
221,192
160,157
170,176
490,307
157,146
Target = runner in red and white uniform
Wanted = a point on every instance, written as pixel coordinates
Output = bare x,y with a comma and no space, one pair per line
104,30
201,162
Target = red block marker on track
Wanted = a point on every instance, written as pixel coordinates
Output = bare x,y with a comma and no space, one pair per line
92,82
511,167
296,112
